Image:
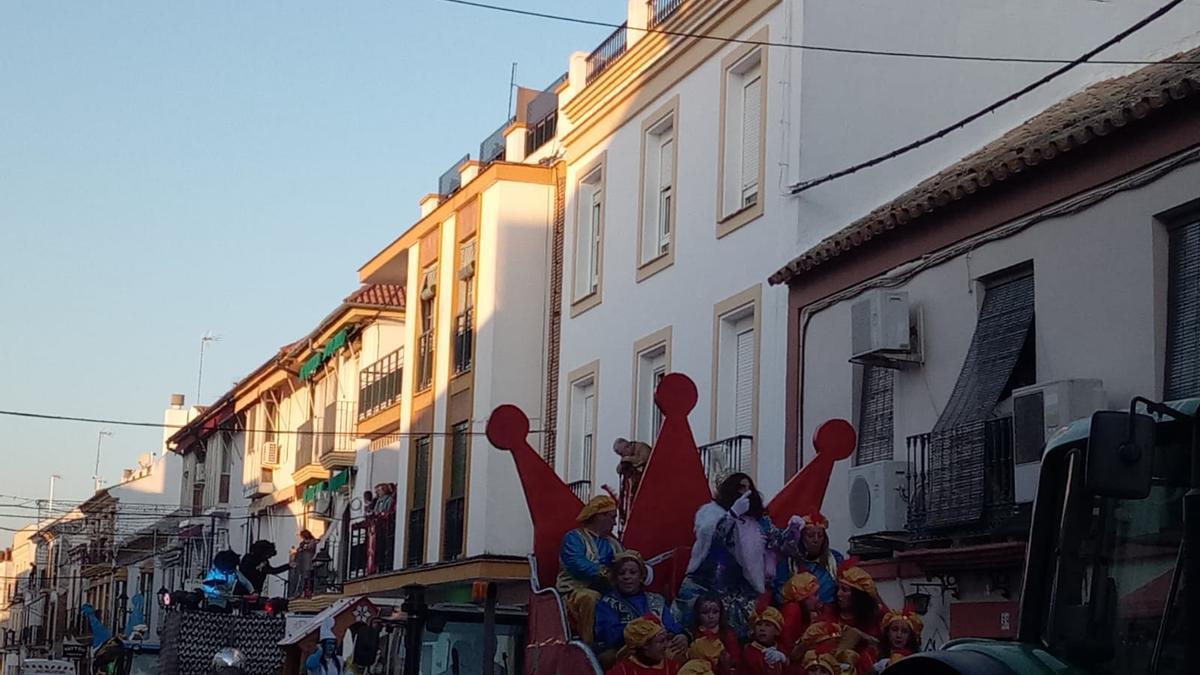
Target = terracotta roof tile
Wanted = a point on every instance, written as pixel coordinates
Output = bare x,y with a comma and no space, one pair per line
1100,110
378,295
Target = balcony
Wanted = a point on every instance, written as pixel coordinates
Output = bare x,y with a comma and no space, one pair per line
658,11
464,341
380,384
335,442
606,54
727,456
308,469
961,480
581,489
371,548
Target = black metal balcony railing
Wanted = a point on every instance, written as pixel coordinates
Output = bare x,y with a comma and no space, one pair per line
453,528
371,548
380,384
464,341
960,476
582,489
603,56
659,10
727,456
305,444
415,546
425,360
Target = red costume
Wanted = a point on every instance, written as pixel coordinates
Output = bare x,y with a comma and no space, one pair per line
754,663
710,644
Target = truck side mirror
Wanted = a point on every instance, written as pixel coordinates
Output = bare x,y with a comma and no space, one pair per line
1120,458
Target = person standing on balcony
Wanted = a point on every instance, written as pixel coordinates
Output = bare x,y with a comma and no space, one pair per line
585,556
302,559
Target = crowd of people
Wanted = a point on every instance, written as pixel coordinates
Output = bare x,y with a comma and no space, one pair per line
756,600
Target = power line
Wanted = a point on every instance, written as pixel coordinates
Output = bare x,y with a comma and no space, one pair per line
786,45
233,429
925,140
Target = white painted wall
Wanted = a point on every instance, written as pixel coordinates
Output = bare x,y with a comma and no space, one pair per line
825,112
1100,294
509,356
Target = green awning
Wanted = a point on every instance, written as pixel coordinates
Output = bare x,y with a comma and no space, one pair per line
339,480
337,342
320,356
311,365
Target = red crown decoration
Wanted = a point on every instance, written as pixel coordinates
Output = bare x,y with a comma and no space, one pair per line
672,489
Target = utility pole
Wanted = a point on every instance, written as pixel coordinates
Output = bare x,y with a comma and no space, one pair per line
204,340
99,441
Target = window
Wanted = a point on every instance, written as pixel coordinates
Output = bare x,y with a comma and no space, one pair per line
425,342
652,362
581,456
735,383
658,186
588,233
875,415
226,468
1001,355
464,330
270,420
1183,313
743,92
970,444
418,501
454,523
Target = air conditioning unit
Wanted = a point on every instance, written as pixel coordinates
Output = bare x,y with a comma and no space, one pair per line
883,331
270,454
1039,411
876,500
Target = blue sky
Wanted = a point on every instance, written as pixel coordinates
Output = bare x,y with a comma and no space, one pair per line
170,168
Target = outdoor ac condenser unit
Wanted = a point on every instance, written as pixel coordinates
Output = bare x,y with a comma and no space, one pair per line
876,502
1039,411
270,454
882,331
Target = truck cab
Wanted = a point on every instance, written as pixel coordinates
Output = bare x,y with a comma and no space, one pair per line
1106,582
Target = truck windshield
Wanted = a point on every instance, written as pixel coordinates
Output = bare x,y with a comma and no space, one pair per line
1115,599
458,649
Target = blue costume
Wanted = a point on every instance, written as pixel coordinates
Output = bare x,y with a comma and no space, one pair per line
826,577
585,559
615,611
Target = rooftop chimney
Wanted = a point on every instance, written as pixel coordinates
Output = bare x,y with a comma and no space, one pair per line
177,401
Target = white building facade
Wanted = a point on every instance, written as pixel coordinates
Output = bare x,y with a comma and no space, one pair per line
682,156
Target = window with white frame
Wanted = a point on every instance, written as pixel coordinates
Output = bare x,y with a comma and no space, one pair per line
581,457
737,381
658,187
588,233
651,369
743,134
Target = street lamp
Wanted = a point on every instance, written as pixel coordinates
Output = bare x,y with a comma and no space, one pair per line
99,441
